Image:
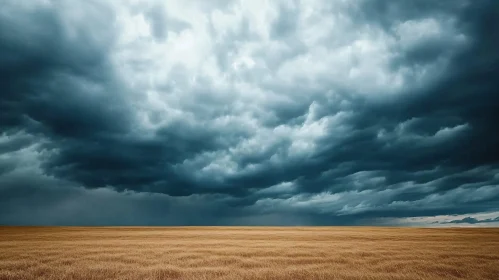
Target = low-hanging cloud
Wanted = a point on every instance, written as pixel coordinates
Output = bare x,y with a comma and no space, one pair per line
308,112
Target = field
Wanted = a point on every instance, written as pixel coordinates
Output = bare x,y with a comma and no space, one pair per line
248,253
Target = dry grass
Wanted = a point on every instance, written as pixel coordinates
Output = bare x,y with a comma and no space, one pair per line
248,253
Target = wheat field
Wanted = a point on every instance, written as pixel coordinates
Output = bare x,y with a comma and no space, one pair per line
247,253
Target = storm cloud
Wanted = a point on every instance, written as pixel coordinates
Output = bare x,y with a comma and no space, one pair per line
247,112
470,220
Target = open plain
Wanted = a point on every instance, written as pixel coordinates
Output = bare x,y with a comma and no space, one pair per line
248,253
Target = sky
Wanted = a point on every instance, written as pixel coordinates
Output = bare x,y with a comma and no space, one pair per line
282,112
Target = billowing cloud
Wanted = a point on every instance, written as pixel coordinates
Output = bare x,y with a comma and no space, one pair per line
308,112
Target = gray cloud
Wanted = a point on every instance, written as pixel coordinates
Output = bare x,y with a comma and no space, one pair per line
319,112
471,220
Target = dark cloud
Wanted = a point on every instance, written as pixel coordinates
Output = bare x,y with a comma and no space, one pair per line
471,220
161,22
339,114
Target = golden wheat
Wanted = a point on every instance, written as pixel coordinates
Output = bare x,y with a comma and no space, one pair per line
247,253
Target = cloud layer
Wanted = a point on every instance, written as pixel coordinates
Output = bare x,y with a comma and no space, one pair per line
237,112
